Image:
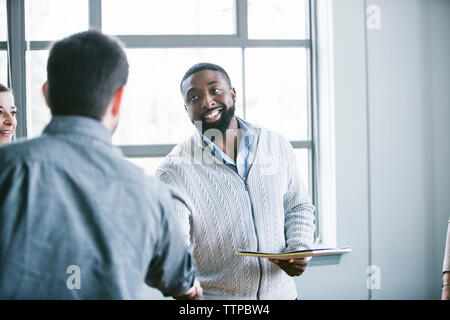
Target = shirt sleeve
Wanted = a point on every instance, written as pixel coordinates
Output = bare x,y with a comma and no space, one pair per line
182,211
299,218
172,269
446,266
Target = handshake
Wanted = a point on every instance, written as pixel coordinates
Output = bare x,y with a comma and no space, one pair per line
194,293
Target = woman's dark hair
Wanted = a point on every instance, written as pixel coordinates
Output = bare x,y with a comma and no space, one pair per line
83,73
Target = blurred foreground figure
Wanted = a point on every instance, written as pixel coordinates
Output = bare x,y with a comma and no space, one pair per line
77,220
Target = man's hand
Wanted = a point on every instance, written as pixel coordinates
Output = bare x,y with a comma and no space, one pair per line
194,293
293,267
445,293
446,289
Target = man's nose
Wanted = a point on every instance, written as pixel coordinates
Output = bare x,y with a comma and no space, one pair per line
209,102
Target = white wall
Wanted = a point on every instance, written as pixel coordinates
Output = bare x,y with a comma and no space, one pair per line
440,127
392,105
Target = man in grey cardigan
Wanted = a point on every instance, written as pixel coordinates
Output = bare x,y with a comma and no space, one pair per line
236,186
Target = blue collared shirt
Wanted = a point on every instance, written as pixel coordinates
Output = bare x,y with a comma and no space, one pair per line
71,207
240,166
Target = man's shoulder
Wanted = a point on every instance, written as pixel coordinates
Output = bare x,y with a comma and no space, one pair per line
105,167
263,132
70,156
183,152
182,161
22,150
272,138
152,184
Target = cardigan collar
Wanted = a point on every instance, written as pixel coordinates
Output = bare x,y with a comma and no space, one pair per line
200,152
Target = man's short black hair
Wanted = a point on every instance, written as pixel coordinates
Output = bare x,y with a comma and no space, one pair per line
204,66
83,73
4,88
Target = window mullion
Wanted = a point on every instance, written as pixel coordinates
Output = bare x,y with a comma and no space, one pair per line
161,150
241,19
95,14
313,117
16,61
146,151
206,41
244,96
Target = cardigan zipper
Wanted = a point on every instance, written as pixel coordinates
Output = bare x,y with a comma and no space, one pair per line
247,189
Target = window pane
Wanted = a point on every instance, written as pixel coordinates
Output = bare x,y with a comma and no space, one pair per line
168,17
55,19
280,19
303,166
3,21
276,90
36,107
148,164
153,109
3,68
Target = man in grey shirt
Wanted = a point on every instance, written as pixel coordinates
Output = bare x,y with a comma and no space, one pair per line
77,220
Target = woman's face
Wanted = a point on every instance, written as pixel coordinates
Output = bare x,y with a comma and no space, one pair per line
8,120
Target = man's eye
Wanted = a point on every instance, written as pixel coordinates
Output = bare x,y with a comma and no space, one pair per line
14,113
216,91
194,98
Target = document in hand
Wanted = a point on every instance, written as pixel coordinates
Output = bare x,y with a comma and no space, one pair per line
294,254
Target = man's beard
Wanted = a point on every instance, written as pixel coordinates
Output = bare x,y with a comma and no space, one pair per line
223,123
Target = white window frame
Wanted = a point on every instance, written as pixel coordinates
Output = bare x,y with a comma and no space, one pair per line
318,45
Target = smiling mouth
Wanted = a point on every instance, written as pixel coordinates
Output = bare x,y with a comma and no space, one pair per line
5,132
213,115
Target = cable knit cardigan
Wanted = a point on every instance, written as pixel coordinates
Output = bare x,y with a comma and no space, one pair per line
220,213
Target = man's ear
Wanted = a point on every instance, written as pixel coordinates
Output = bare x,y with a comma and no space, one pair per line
117,100
233,94
44,93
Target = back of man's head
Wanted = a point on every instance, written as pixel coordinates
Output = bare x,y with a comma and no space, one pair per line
84,71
